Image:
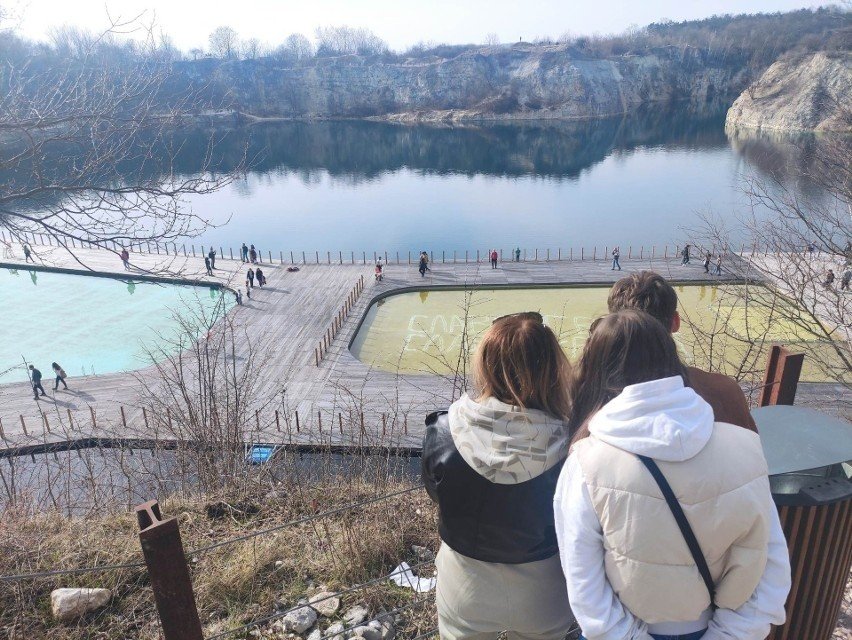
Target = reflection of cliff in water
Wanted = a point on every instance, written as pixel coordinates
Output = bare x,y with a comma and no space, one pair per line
364,150
793,159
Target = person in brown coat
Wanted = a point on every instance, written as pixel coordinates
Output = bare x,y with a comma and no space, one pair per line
650,292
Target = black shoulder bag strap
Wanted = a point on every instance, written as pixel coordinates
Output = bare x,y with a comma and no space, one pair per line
683,524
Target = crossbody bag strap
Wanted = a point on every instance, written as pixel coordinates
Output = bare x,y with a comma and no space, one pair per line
683,525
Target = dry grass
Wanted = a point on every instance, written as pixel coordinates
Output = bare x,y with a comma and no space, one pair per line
233,584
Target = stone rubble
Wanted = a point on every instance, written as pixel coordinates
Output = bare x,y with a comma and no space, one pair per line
299,620
325,603
355,615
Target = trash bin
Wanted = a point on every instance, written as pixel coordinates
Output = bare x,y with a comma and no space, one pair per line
809,456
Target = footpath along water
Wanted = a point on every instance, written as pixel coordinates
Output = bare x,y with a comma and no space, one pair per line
92,325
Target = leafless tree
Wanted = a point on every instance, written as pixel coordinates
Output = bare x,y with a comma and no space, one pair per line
492,39
336,41
795,237
252,49
299,46
204,395
224,42
89,143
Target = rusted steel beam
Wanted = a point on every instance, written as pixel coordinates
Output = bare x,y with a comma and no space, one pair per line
162,549
781,379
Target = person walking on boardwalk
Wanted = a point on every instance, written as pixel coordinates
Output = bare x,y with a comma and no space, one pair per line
829,279
207,266
28,254
212,255
248,290
35,377
707,259
250,276
253,254
261,279
494,257
239,296
125,258
718,270
422,265
845,280
685,254
244,252
425,259
60,376
616,255
518,254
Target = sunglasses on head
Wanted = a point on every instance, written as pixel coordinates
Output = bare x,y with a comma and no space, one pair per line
529,315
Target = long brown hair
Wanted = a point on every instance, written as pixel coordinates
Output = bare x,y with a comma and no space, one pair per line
519,362
626,347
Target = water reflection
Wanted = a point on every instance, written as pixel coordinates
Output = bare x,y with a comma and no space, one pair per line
359,151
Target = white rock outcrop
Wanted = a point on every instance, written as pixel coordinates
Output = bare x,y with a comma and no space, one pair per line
802,93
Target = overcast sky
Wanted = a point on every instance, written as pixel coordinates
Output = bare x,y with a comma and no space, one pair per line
399,22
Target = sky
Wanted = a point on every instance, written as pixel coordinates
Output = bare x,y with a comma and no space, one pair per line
401,23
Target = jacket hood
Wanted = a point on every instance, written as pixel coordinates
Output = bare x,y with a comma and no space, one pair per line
506,444
661,419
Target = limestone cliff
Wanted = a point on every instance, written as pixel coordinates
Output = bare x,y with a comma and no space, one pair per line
803,93
489,83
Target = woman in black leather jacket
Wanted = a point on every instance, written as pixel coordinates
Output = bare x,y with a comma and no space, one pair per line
491,464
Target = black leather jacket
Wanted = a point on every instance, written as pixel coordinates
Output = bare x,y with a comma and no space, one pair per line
505,523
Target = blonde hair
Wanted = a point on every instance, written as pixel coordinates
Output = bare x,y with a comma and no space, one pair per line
519,362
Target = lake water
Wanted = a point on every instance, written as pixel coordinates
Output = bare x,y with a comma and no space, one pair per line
427,332
371,186
92,325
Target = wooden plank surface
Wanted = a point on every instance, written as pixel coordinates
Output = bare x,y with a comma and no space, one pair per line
285,321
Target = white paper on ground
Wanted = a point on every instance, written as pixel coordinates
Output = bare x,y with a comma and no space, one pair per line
404,577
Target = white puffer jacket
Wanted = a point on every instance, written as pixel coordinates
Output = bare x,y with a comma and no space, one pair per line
629,572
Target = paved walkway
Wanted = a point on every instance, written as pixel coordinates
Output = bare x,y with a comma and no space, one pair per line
285,321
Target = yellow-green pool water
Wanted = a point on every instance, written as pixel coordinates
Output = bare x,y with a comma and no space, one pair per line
724,327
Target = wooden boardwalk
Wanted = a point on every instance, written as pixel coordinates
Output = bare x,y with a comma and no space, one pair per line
285,321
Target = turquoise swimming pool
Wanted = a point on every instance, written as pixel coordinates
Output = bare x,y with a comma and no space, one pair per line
92,325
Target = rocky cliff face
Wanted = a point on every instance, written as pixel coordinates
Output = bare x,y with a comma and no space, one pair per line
807,93
519,82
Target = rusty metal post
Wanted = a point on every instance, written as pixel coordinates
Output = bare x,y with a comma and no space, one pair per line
169,574
781,379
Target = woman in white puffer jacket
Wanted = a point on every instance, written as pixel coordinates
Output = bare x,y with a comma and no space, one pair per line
629,570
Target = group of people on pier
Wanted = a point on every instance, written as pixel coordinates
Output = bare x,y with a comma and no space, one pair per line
627,493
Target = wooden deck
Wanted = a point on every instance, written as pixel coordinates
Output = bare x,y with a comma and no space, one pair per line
286,321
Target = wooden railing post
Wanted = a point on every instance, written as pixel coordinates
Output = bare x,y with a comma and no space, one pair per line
168,572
